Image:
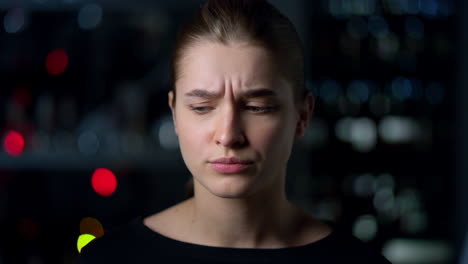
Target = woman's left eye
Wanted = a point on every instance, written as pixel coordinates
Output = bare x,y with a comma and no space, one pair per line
260,109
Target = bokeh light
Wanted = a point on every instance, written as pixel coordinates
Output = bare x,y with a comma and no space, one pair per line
14,143
429,8
88,143
417,251
383,94
84,240
363,134
409,200
343,129
388,46
57,62
385,180
14,21
384,201
341,9
378,26
398,129
410,7
111,143
329,91
414,222
358,92
90,16
364,185
365,227
166,135
92,226
104,182
402,88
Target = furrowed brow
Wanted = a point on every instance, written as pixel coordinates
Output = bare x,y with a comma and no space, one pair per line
202,94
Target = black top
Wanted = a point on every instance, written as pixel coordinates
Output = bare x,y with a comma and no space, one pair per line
136,243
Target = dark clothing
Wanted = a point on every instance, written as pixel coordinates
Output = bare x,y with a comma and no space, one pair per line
136,243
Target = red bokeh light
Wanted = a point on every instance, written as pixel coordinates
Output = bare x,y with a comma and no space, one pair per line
57,62
104,182
14,143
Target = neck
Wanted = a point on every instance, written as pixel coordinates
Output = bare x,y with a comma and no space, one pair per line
263,221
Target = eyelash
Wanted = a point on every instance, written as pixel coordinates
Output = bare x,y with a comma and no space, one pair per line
200,109
255,109
260,109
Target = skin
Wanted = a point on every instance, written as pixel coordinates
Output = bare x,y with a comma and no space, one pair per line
232,102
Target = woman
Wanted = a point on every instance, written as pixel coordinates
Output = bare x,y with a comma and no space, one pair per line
238,103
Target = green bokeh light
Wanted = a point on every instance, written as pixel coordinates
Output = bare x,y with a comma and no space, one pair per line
83,240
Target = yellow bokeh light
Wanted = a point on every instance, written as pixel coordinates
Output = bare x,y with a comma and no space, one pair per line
83,240
90,225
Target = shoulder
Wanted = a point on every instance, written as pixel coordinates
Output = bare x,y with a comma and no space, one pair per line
344,246
116,246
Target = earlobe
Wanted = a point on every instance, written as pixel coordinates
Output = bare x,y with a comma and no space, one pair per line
305,115
171,101
300,129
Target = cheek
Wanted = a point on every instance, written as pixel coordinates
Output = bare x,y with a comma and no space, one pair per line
191,137
190,134
271,134
262,135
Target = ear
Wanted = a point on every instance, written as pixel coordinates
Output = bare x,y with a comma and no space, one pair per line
305,113
170,97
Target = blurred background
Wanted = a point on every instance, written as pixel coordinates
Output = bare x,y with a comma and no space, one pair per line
88,143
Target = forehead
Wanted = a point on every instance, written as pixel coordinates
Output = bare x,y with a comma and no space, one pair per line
209,65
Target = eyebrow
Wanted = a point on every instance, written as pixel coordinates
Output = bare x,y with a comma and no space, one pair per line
262,92
202,94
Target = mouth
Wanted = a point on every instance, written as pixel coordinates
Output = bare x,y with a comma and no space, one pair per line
230,165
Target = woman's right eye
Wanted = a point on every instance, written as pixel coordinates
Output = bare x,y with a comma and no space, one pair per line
201,109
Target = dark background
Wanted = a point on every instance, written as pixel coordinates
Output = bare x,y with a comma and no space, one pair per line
85,84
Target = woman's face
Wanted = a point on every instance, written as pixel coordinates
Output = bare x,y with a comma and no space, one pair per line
235,118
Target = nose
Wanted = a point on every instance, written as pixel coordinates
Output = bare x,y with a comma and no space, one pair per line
229,131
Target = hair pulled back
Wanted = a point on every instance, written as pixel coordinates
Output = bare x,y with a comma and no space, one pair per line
255,22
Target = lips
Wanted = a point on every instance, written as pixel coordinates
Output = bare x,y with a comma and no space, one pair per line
230,165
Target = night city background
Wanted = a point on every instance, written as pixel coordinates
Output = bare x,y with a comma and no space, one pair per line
88,141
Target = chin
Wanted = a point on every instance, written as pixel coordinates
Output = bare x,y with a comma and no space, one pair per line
231,187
